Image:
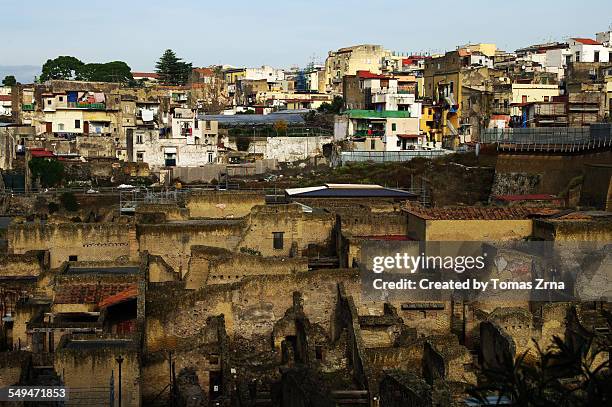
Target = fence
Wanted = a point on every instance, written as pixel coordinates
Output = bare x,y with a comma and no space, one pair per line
550,138
390,156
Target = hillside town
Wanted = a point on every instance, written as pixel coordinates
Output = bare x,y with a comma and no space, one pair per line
198,236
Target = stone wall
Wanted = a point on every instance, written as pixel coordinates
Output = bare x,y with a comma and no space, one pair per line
477,230
541,174
83,368
29,264
223,204
211,265
87,241
251,307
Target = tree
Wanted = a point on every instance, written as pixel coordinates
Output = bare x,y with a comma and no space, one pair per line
280,127
9,80
62,67
335,107
116,71
51,172
172,70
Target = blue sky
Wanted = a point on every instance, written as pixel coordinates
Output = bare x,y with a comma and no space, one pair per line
254,32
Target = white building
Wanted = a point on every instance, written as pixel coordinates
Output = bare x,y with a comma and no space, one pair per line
5,101
379,131
588,50
387,95
266,72
192,143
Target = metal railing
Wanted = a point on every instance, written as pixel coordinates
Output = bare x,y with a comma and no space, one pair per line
390,156
550,138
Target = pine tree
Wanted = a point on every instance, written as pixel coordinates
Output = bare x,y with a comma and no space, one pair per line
172,70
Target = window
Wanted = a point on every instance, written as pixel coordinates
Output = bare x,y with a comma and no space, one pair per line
60,126
278,240
577,56
393,126
139,156
610,57
207,124
596,56
524,99
372,144
139,139
196,123
77,124
546,99
48,101
61,98
73,257
210,157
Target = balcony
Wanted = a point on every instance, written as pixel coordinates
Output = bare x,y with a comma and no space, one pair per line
91,106
370,133
27,107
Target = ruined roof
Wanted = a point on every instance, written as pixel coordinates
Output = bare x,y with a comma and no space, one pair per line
125,295
471,213
87,293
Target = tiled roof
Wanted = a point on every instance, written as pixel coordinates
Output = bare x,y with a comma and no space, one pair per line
204,71
586,41
370,75
151,75
128,294
470,213
5,98
88,293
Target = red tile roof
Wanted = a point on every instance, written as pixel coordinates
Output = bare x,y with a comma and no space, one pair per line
5,98
125,295
151,75
41,153
88,293
204,71
586,41
370,75
472,213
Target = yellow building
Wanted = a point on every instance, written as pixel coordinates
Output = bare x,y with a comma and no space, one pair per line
531,92
485,49
349,60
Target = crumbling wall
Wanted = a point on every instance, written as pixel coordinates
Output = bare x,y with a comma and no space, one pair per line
300,229
222,204
87,241
211,265
251,306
